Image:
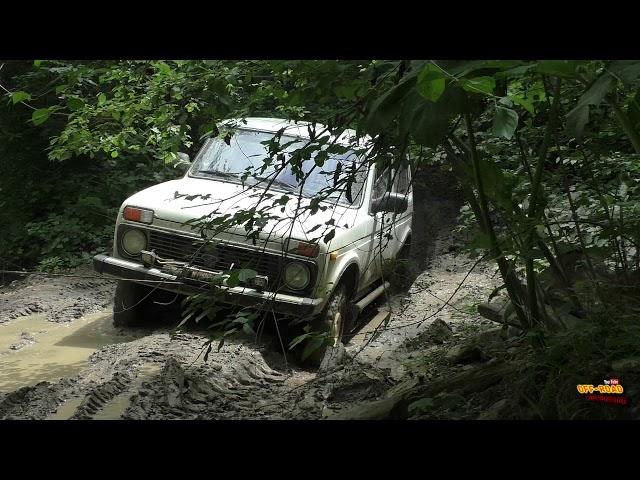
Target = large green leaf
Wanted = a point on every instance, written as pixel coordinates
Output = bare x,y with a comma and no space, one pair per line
484,85
385,108
40,116
497,184
626,70
462,68
424,120
431,82
578,117
505,122
20,97
246,274
558,68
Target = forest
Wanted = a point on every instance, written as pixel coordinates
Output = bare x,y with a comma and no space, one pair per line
543,155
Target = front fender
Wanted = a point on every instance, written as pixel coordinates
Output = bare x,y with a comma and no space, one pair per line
337,267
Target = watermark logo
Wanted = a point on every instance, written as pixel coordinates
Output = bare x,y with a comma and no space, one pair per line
610,391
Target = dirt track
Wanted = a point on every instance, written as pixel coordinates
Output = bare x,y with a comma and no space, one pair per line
61,358
85,368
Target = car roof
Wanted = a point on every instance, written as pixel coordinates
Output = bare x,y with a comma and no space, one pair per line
294,128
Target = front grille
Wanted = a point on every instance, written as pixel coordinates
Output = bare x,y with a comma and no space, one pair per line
215,257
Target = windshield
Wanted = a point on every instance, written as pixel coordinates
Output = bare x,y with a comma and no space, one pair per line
246,152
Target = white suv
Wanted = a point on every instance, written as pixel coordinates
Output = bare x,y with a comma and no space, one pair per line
327,279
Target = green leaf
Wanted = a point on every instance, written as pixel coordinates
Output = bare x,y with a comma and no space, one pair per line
523,102
578,117
485,85
37,63
102,98
246,274
431,82
558,68
163,68
233,280
40,116
299,339
75,103
312,345
428,122
505,122
384,109
20,97
626,70
246,328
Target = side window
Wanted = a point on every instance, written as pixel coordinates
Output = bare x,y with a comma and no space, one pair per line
402,182
382,183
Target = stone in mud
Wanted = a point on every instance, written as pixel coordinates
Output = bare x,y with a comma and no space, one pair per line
25,339
439,331
464,354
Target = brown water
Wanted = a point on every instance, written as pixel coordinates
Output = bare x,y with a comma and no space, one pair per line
60,349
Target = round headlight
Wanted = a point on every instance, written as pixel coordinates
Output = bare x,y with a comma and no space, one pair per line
296,275
133,242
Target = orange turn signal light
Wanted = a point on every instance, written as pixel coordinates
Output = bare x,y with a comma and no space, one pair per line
134,214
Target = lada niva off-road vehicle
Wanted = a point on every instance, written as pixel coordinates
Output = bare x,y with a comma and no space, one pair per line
328,282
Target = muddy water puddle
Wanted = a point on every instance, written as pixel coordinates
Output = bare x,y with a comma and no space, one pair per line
33,349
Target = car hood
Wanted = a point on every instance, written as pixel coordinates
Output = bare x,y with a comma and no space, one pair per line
179,201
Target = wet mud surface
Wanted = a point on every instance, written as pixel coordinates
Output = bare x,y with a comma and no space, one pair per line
62,359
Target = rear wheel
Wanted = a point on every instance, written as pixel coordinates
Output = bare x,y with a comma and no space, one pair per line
132,304
401,276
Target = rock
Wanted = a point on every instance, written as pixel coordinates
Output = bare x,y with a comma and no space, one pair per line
495,411
626,364
333,358
463,354
439,331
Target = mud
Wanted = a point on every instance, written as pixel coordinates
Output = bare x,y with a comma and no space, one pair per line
59,299
61,358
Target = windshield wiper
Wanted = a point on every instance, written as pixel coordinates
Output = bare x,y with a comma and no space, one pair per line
274,181
218,173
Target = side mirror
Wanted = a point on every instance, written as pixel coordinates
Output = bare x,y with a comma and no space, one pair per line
184,157
390,203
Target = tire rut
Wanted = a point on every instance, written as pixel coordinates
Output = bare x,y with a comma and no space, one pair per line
98,398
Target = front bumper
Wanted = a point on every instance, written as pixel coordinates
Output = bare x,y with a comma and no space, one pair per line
243,296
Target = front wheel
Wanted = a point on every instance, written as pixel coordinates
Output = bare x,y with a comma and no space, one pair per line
334,322
132,304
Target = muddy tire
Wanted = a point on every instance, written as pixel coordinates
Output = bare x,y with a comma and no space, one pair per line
132,304
401,277
335,320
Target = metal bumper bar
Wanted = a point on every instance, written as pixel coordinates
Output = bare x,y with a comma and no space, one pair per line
243,296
